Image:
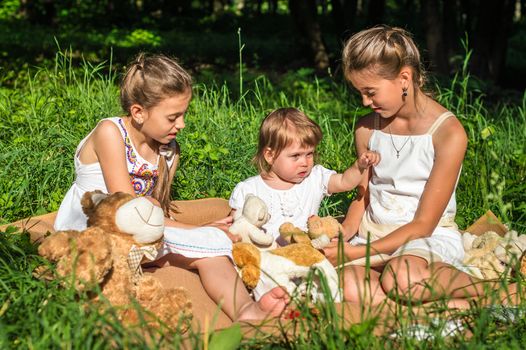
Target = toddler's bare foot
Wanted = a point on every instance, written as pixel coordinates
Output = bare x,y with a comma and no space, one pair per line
271,304
274,302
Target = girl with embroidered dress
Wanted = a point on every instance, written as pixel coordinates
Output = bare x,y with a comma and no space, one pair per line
138,154
406,205
289,183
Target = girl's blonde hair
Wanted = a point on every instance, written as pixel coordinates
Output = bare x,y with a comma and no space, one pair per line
280,129
385,50
148,80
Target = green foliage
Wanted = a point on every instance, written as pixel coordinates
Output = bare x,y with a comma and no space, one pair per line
9,9
226,339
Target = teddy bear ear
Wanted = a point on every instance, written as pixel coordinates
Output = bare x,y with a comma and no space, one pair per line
262,214
90,200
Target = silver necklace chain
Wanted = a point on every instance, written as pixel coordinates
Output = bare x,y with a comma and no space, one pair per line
394,146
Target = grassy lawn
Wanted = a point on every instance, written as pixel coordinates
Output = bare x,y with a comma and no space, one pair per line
45,111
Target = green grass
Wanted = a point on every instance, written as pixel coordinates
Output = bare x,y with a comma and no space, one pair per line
45,112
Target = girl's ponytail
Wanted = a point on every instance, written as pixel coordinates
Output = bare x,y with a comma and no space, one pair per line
162,189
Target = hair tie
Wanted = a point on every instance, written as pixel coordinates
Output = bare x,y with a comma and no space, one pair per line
167,151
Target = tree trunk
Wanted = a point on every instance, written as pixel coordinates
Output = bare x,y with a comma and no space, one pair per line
375,12
434,39
343,13
41,12
490,38
452,33
304,14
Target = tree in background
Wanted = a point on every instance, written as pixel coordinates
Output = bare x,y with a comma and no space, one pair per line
490,38
440,25
304,13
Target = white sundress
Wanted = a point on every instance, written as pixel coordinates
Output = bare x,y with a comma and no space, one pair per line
194,243
395,189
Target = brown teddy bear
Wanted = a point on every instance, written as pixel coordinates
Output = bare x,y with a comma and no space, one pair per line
320,231
121,231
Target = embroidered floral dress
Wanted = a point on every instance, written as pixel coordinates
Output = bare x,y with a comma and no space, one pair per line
89,177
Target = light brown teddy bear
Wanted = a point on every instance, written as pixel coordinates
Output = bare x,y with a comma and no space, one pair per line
320,231
121,230
490,255
249,220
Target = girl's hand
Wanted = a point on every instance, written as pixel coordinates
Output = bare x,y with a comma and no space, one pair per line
223,225
347,234
225,221
367,159
349,252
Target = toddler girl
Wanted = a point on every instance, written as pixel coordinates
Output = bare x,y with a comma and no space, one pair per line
138,154
288,181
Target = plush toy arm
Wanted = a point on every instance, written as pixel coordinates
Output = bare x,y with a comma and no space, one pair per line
321,242
292,234
260,237
239,227
250,233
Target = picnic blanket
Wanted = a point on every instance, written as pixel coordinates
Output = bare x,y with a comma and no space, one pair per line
206,311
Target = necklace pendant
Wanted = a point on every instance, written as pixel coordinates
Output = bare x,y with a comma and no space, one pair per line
397,154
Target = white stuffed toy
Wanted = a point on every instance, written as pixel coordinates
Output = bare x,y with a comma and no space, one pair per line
288,267
489,255
248,222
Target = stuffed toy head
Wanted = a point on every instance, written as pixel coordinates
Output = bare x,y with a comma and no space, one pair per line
248,222
289,267
320,231
134,217
109,253
491,256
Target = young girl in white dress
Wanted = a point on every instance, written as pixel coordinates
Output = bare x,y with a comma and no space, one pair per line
289,183
407,208
138,154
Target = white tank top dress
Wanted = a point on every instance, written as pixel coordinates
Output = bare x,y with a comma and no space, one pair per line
395,188
193,243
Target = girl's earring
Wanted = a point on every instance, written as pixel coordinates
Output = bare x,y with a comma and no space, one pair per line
404,93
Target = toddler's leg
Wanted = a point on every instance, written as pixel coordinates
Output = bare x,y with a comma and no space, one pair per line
223,285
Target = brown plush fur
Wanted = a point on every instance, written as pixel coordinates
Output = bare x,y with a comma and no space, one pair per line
248,258
99,255
293,234
300,254
318,226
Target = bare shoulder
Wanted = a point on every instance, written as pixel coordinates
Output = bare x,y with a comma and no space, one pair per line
107,138
450,134
106,128
364,130
366,122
